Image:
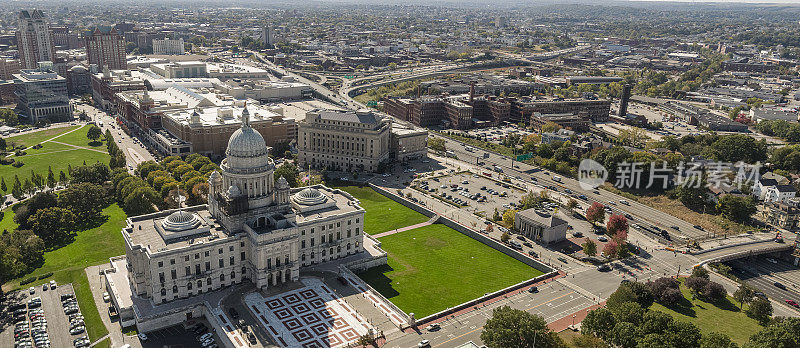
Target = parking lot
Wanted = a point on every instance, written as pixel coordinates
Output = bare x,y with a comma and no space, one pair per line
480,194
44,318
497,134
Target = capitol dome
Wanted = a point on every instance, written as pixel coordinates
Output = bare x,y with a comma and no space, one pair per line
309,196
247,149
246,141
180,221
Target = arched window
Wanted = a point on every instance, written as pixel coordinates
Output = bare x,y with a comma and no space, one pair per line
244,271
199,283
189,286
222,277
348,246
174,289
208,282
163,292
339,249
233,275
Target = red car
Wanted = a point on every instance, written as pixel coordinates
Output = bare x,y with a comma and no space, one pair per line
792,303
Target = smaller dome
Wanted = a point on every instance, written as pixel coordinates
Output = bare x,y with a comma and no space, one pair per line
282,183
180,221
309,196
233,191
215,177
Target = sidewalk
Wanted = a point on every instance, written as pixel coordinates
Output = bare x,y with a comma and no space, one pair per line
403,229
565,322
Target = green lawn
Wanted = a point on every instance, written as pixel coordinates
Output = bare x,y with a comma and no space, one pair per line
383,214
724,318
435,267
30,139
59,160
79,138
91,247
7,222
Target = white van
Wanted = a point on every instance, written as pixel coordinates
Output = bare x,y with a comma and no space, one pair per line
556,178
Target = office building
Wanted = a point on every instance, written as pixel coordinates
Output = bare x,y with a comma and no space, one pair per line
34,39
268,36
168,46
8,67
105,47
42,96
343,140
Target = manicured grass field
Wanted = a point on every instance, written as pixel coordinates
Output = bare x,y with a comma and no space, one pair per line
724,318
434,267
79,138
383,214
59,160
91,247
33,138
7,222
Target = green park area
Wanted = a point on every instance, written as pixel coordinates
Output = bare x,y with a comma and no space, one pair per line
434,267
70,147
92,246
382,213
722,317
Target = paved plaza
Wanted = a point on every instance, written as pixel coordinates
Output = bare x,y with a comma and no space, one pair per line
310,317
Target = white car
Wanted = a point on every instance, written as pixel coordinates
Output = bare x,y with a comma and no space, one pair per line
142,337
106,297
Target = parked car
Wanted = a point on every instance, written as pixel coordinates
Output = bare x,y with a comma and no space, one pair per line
433,327
792,303
604,268
533,290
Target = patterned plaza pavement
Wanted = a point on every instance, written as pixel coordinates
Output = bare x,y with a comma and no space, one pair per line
310,317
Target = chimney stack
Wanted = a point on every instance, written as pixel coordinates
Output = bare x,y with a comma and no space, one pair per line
471,91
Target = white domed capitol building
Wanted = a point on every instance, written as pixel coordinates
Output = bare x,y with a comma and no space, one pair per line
254,228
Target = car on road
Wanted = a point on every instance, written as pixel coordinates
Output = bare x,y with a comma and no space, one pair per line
676,228
602,239
32,290
624,202
779,285
424,344
792,303
577,234
433,327
532,253
771,260
562,260
604,268
533,290
142,337
106,297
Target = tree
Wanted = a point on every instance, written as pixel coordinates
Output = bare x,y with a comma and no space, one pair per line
782,334
624,335
714,292
590,248
3,186
572,204
696,284
760,309
94,133
716,340
610,249
744,294
53,225
598,322
700,272
86,200
737,208
596,213
629,312
588,341
141,201
616,223
51,178
436,144
508,218
654,322
683,334
505,237
289,172
516,328
664,290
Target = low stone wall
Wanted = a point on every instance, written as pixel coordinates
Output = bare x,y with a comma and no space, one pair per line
486,297
409,204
